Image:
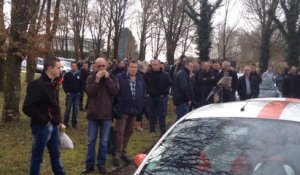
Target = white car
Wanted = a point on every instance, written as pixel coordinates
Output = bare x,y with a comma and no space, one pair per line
66,65
39,65
258,136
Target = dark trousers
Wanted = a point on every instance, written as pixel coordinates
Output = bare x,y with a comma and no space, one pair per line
123,132
157,106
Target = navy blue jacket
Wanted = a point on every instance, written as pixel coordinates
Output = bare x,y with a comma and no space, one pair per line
131,105
72,82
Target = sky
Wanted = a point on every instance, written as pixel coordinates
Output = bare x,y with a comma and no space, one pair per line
235,14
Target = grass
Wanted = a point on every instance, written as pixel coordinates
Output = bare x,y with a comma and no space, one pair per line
15,144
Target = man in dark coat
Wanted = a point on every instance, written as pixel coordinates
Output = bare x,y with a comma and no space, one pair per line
246,85
205,79
291,84
157,83
41,104
183,95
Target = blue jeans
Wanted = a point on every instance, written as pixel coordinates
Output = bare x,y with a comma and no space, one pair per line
181,110
93,126
43,136
157,106
72,99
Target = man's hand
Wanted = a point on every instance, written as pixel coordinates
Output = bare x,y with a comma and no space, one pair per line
105,74
99,75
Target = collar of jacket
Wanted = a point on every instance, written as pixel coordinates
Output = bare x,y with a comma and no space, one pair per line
48,80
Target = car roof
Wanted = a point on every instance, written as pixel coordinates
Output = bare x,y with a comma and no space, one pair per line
265,108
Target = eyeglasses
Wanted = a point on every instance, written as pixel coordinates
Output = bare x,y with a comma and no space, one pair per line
99,66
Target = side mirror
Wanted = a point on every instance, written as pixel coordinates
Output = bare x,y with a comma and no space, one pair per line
138,159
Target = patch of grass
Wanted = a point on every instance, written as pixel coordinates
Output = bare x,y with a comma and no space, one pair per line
15,144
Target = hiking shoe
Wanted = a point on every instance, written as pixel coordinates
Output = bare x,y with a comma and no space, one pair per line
102,169
126,159
116,162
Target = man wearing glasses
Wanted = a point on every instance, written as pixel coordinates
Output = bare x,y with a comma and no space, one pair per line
101,87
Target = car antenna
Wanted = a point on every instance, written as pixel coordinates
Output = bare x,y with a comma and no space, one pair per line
243,108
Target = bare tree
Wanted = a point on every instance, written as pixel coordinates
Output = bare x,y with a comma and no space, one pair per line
2,45
226,31
188,35
63,31
78,16
116,9
96,26
146,16
262,12
52,21
157,38
33,49
172,16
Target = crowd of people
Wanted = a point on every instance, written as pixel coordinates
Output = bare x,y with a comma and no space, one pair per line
138,89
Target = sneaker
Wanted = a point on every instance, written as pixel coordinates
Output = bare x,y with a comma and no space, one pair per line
87,170
126,159
102,169
116,162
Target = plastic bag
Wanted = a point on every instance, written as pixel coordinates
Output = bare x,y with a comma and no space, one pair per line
65,141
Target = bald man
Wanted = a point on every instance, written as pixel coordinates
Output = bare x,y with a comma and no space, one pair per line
246,85
101,87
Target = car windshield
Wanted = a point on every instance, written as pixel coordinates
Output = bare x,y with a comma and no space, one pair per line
228,146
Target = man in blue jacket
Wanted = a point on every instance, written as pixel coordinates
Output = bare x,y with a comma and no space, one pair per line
72,86
131,98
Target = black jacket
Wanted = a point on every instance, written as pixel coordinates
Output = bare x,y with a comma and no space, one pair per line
41,103
291,86
182,87
73,82
84,75
204,83
243,91
157,83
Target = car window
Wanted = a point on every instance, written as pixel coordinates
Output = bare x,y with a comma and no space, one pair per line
228,146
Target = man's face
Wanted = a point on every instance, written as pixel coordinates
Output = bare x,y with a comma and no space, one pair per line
247,71
73,67
293,70
206,66
132,69
100,65
217,66
85,66
190,67
155,65
56,70
253,68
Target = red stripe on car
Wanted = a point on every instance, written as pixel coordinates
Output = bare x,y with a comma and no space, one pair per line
273,110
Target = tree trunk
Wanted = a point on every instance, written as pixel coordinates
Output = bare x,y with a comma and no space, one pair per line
116,47
19,23
170,52
265,50
30,69
293,52
12,87
2,73
2,46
